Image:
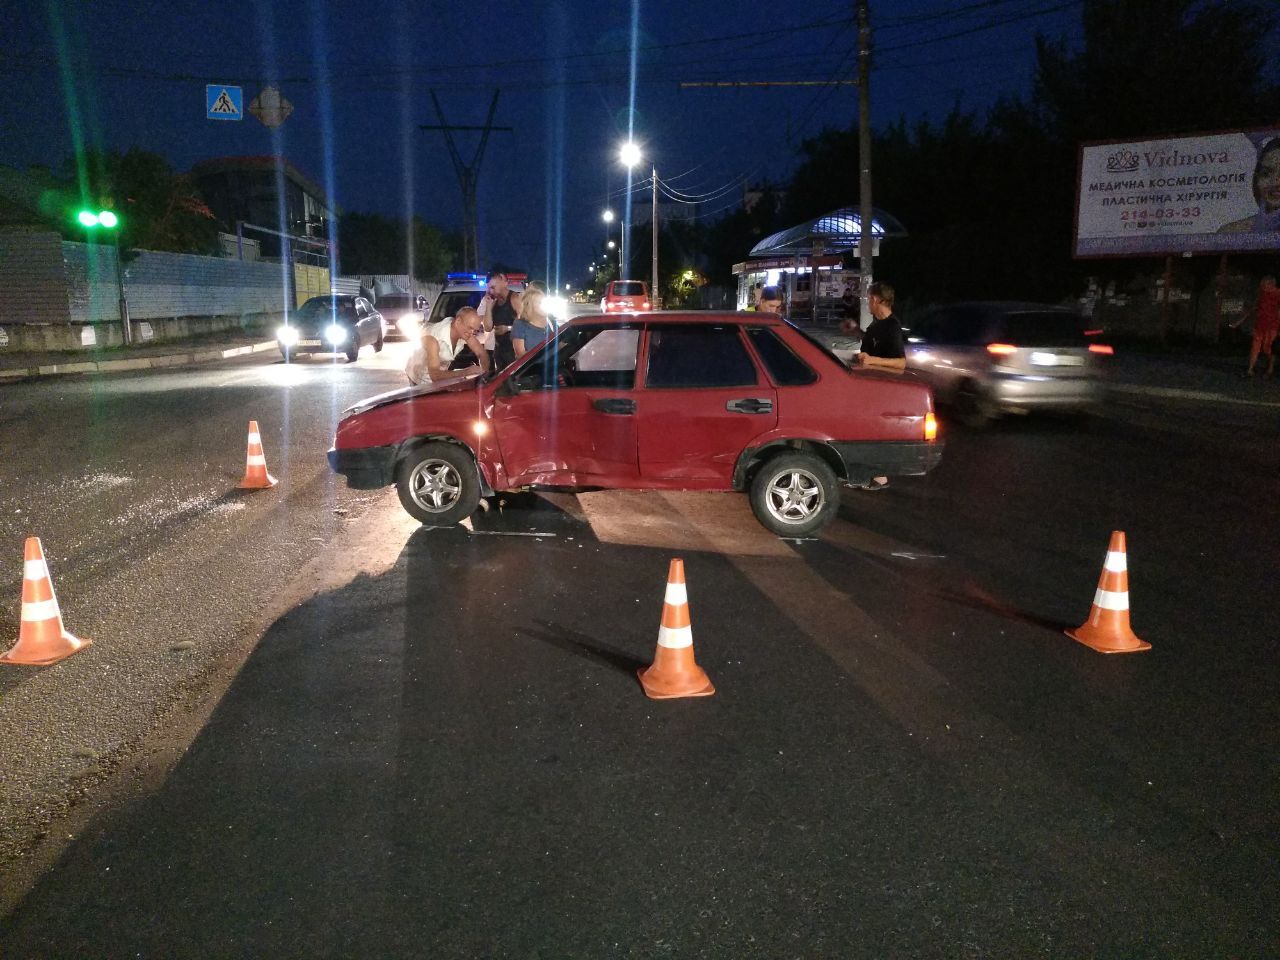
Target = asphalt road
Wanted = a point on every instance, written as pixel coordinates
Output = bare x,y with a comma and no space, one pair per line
436,745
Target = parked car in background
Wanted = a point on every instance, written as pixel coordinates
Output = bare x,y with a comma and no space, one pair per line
403,314
988,359
334,324
625,296
679,401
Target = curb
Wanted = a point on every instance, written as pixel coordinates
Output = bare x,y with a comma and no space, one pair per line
134,363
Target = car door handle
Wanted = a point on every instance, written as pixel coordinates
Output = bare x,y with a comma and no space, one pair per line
749,405
615,405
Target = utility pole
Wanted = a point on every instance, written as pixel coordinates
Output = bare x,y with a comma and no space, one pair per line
653,293
468,174
866,238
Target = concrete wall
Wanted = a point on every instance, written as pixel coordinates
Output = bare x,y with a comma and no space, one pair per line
165,285
32,284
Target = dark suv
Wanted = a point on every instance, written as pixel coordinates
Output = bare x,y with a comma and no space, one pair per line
334,324
655,401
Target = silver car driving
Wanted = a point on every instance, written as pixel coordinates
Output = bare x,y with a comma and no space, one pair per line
986,359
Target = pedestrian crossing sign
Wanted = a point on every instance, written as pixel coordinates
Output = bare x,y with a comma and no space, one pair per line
223,103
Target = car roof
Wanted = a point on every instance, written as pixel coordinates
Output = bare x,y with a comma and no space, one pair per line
700,317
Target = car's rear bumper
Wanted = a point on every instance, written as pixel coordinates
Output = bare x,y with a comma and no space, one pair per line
888,458
366,468
1017,393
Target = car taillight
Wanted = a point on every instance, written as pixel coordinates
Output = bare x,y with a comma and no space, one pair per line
1105,349
930,426
645,305
1000,349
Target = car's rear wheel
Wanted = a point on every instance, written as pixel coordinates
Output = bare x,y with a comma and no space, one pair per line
353,351
973,407
795,494
438,484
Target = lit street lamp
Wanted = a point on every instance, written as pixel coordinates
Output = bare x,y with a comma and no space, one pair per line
630,156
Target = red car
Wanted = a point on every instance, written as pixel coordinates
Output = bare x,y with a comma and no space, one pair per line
663,401
625,296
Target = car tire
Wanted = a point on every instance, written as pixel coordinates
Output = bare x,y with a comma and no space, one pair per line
353,351
438,484
377,344
287,354
972,406
795,494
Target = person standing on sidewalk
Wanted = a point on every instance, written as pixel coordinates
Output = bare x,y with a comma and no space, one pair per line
883,347
1265,324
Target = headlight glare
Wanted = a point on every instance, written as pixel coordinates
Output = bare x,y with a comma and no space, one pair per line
287,335
335,333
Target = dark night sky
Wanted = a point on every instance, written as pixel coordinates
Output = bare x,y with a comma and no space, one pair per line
118,74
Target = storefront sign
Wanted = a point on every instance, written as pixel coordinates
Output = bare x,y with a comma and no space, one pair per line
1215,192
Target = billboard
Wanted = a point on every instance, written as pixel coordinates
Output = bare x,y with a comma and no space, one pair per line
1214,192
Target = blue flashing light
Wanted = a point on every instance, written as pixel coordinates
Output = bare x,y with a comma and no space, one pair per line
466,277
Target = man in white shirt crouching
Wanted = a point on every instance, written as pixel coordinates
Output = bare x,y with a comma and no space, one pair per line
441,342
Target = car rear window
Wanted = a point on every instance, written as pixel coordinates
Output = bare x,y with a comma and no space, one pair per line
450,303
698,356
783,366
627,288
1041,329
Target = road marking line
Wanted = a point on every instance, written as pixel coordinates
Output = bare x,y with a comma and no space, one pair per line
1180,394
509,533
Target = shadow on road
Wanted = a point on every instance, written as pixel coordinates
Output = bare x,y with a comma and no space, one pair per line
583,646
978,599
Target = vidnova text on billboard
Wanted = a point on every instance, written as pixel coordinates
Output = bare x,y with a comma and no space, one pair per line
1212,192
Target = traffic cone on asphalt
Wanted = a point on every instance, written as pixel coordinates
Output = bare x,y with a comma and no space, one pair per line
674,672
1107,629
255,469
42,639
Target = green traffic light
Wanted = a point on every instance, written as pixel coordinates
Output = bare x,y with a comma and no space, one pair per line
87,218
103,218
108,219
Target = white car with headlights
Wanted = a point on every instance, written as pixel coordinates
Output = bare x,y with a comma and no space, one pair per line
403,315
339,324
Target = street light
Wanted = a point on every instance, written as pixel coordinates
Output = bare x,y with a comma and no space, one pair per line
630,156
607,216
107,219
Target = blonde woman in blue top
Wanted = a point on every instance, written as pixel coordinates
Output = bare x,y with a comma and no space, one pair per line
533,325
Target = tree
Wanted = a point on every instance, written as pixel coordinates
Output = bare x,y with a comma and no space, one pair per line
370,243
158,209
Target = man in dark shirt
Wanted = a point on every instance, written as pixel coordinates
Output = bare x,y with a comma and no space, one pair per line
499,309
882,346
882,343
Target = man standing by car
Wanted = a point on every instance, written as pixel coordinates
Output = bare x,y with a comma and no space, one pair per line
882,346
882,342
499,308
441,342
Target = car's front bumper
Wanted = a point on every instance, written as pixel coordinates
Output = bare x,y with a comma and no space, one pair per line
366,468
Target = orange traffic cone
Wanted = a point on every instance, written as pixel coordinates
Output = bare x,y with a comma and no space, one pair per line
42,639
1107,629
255,468
674,672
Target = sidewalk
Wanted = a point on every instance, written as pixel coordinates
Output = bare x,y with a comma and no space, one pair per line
20,366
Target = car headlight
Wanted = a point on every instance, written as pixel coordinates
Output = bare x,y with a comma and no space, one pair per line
335,333
287,335
408,324
556,306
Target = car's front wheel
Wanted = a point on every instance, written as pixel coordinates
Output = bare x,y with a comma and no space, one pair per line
439,484
353,351
795,494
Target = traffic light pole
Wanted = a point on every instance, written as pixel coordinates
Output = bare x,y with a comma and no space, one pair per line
125,326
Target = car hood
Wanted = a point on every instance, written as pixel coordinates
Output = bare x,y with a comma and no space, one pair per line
461,385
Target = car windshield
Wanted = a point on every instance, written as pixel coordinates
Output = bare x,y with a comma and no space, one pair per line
628,288
394,301
1048,328
451,302
315,310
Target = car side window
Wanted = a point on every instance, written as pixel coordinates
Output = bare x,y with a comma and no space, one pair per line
782,365
600,357
689,355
